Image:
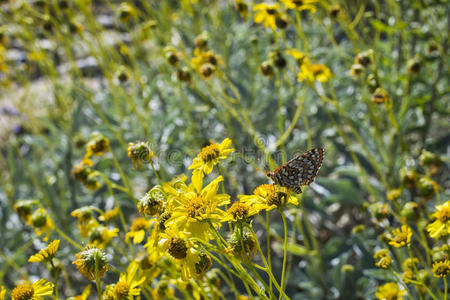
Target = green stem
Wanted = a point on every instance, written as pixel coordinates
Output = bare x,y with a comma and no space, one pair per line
67,238
269,271
280,116
445,288
124,178
97,280
55,274
284,253
156,173
269,261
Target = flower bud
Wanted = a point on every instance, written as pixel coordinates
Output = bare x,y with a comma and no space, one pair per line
410,211
267,68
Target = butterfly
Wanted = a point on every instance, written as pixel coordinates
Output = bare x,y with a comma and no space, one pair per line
300,170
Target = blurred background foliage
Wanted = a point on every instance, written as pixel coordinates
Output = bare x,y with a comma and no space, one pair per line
125,69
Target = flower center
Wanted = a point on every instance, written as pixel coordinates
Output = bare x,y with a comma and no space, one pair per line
139,224
271,11
297,2
401,238
100,146
121,290
23,292
444,215
442,270
316,70
146,263
277,198
209,153
203,264
177,248
196,206
239,211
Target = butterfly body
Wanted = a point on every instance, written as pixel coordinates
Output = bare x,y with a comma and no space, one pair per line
300,170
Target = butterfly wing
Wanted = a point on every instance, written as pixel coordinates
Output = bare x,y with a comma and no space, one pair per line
308,165
300,170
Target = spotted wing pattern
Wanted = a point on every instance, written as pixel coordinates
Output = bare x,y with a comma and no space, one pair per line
300,170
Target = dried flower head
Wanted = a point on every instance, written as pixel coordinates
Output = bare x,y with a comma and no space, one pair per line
139,152
91,261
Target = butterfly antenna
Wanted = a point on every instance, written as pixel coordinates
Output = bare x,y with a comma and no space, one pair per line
265,170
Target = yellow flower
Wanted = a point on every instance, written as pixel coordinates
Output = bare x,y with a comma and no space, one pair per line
297,55
210,155
193,263
239,212
441,269
163,290
90,258
42,223
2,292
242,8
400,236
86,221
126,12
137,230
383,258
128,285
152,203
300,5
24,208
108,293
100,236
196,208
34,291
98,144
379,96
311,72
408,275
84,295
268,196
138,153
147,263
46,254
389,291
393,194
266,14
409,265
441,226
109,214
204,60
86,175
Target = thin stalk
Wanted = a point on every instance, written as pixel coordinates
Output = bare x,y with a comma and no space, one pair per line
67,238
280,116
55,274
156,173
98,283
284,253
445,288
269,261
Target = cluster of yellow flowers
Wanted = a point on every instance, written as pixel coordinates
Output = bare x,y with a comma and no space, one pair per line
36,216
410,236
97,145
179,231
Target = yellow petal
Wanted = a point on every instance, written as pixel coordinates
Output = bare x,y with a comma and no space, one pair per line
197,180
